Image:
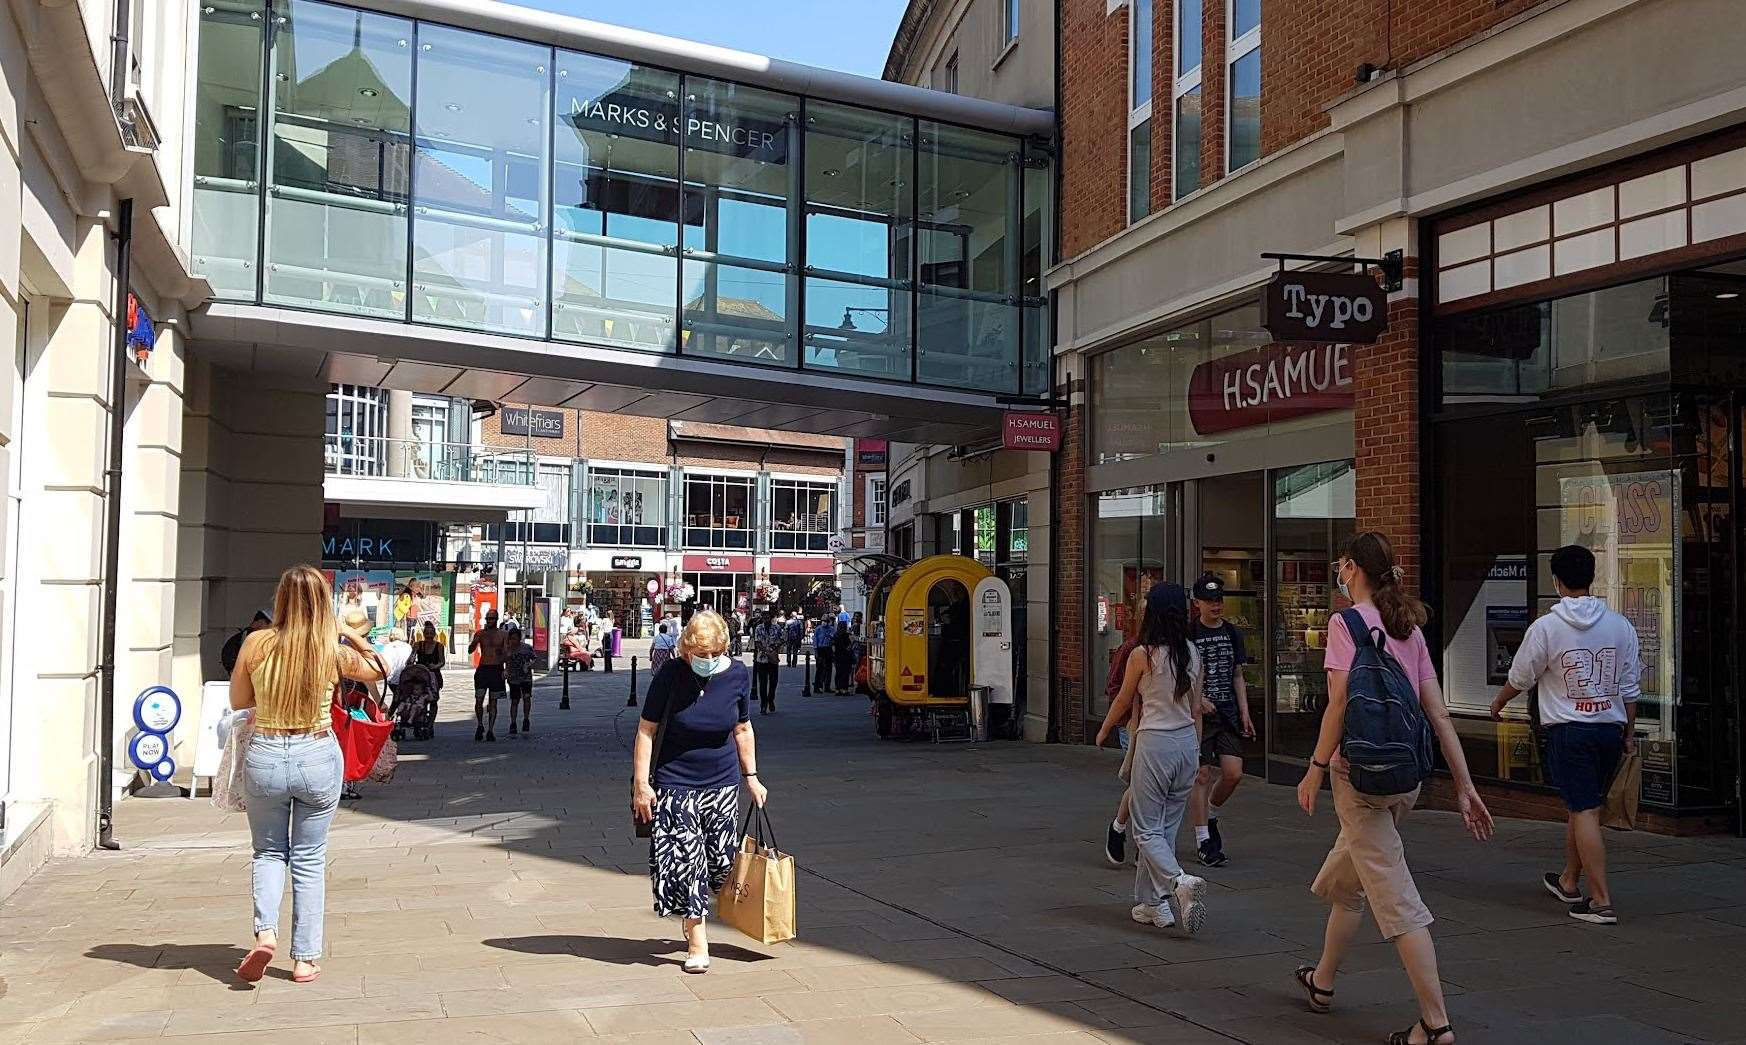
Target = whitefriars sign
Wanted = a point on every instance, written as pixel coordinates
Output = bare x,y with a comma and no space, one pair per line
1324,306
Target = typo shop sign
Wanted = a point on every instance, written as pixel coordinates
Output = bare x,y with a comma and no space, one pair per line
721,130
1263,385
541,424
1328,307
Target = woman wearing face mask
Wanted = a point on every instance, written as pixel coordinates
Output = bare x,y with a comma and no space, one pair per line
692,796
1367,865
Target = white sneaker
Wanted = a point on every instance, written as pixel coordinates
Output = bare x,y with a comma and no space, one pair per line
1147,914
1188,889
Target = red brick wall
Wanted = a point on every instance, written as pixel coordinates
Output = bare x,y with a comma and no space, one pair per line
1310,52
1094,123
1068,581
1386,434
621,437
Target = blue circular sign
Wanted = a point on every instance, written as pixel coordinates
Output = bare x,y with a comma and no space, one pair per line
148,750
157,710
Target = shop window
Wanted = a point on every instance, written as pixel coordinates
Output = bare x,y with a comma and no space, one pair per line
547,524
1529,351
801,515
1313,521
336,210
718,511
627,508
1129,536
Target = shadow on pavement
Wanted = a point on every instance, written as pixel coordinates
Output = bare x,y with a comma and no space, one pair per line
621,951
217,960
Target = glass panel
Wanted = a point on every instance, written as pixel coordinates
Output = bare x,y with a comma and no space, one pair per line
1188,30
1188,143
1128,385
1313,519
801,516
1520,353
1233,531
1705,763
627,508
616,203
860,224
336,212
1246,109
718,512
739,181
969,250
1128,539
1141,72
1245,15
227,99
480,182
1036,235
1140,171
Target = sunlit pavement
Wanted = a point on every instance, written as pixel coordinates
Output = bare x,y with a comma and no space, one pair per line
494,893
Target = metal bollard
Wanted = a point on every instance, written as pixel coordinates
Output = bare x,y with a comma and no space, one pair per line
564,705
632,702
806,679
606,657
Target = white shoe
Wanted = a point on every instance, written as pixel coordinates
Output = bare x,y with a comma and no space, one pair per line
697,963
1188,889
1147,914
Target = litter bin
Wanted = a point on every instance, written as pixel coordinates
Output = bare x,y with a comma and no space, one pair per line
979,712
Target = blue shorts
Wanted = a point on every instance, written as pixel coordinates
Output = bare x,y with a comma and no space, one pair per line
1581,758
1122,736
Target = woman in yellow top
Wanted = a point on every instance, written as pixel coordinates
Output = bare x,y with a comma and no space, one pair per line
293,771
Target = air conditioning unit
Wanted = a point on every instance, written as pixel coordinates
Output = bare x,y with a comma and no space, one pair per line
137,128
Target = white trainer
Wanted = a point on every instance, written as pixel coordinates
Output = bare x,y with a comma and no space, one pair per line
1188,890
1147,914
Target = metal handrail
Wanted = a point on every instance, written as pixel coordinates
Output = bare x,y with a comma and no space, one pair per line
379,457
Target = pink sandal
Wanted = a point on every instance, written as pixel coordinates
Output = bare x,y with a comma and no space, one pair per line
254,964
306,977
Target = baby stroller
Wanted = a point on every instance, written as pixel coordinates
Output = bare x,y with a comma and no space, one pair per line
415,703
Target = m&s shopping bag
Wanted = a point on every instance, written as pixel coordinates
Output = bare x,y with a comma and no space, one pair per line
758,897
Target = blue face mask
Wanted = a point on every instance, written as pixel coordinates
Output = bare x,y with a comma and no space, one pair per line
707,666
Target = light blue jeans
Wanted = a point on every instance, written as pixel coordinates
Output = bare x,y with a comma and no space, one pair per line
292,785
1165,763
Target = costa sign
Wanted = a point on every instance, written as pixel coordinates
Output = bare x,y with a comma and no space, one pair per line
1030,430
1274,383
1329,307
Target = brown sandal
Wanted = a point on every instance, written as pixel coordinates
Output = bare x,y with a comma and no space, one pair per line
1319,1000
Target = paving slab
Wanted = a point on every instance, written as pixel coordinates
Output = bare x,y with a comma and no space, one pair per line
494,893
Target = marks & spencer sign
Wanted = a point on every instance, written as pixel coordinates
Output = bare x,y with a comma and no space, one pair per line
1327,307
1273,383
721,130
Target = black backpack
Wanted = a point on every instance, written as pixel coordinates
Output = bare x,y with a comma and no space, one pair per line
1387,744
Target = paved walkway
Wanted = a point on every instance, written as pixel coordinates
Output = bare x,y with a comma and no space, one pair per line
493,893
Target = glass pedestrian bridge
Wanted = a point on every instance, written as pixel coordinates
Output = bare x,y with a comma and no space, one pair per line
478,172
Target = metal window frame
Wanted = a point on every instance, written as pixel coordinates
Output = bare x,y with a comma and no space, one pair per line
1182,83
1236,49
1139,114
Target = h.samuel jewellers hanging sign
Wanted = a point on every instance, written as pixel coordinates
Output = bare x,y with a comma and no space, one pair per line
1273,383
721,131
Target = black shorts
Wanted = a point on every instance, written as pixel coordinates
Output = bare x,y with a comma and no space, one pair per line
521,689
1581,758
1218,739
488,677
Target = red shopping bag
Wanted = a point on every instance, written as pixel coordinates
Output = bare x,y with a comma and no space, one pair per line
360,739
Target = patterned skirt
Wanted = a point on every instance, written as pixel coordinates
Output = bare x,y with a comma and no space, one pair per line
691,849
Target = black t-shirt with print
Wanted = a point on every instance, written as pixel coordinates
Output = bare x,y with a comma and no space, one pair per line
1221,653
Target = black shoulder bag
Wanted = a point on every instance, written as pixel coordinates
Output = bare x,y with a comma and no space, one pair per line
645,828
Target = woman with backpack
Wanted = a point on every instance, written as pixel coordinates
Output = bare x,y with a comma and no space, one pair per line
1164,675
1375,757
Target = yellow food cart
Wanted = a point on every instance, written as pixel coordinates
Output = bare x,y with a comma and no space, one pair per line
920,646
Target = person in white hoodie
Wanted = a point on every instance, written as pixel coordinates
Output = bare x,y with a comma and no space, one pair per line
1584,659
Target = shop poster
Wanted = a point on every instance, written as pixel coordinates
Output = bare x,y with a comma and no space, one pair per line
371,591
424,596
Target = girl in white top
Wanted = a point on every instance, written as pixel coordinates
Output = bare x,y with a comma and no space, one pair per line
1164,675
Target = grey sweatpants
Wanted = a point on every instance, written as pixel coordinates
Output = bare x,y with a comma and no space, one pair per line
1165,762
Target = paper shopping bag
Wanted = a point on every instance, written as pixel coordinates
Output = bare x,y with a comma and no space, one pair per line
1621,809
758,897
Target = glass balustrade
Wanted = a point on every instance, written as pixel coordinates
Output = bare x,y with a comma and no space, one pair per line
379,457
429,174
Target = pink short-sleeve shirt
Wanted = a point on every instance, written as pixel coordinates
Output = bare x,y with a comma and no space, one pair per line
1411,651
